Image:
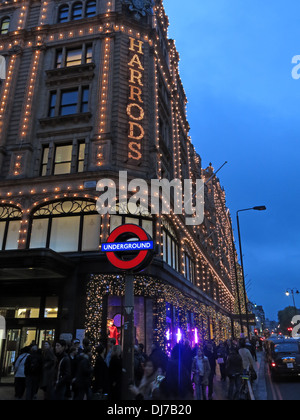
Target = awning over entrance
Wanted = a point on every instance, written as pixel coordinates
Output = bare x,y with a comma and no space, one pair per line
251,318
33,264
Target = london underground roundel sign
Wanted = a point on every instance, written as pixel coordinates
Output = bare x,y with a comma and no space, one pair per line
129,248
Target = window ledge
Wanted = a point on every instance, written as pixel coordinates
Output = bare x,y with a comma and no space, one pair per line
62,119
69,74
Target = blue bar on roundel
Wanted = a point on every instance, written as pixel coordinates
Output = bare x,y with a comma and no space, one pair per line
127,246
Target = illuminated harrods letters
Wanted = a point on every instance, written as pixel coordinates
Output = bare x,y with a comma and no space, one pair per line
135,110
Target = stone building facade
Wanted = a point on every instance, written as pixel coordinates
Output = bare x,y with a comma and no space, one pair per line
92,88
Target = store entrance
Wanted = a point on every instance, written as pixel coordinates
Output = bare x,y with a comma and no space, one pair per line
16,339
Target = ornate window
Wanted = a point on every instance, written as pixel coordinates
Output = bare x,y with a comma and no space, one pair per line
63,13
10,223
68,101
4,25
90,8
77,11
69,57
66,226
170,245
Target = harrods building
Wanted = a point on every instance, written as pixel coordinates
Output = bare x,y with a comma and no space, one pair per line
92,88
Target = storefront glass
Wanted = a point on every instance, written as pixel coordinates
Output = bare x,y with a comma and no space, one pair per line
143,319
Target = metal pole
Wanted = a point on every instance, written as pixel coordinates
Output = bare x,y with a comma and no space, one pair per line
128,349
294,301
243,276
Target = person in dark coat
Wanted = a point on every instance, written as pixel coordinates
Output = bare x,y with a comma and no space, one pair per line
177,385
115,374
234,370
158,358
222,357
49,362
62,372
33,372
210,353
83,377
101,382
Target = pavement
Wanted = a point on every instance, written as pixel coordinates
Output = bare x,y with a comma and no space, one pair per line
220,388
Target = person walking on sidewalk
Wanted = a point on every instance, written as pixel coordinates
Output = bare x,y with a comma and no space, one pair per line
210,353
248,362
33,372
19,368
201,373
63,371
234,371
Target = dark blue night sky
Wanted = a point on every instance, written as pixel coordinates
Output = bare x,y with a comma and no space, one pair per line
244,107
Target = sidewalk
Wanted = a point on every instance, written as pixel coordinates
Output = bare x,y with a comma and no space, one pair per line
259,386
220,388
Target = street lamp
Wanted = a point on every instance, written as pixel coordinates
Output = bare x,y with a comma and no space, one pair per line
293,292
257,208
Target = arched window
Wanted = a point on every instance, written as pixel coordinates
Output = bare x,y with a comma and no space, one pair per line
63,13
90,8
170,245
77,11
5,25
10,223
66,226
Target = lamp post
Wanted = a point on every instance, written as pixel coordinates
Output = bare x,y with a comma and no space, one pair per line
257,208
293,292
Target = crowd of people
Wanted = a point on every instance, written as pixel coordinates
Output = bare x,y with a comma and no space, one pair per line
70,372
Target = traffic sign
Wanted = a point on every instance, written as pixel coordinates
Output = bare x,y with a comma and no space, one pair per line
129,248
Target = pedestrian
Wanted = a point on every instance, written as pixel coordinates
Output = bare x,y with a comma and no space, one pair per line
101,378
221,359
83,379
234,370
73,356
63,371
187,355
111,342
19,369
142,353
158,357
115,373
139,364
177,384
201,373
48,370
210,353
246,356
33,372
144,390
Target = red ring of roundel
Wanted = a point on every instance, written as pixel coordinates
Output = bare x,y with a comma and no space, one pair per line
127,265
